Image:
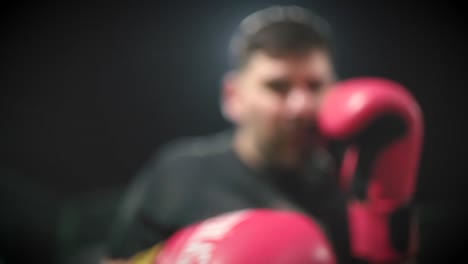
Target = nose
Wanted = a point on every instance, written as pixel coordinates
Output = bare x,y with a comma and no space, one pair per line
301,103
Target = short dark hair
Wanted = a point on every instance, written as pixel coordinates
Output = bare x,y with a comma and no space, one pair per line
279,31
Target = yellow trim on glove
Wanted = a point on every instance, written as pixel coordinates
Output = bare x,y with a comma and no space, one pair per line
147,256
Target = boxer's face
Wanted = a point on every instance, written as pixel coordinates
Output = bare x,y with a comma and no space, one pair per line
277,100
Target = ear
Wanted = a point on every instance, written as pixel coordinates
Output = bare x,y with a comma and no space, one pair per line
231,104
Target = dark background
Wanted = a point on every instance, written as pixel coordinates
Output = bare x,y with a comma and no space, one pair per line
89,90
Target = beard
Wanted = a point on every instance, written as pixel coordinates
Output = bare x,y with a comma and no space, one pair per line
290,145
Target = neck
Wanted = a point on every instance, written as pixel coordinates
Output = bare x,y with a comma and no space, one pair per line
246,149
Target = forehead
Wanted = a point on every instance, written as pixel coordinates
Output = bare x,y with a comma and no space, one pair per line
313,63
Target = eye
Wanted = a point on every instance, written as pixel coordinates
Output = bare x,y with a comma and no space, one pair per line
315,85
278,86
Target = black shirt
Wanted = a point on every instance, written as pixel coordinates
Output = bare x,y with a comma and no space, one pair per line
193,179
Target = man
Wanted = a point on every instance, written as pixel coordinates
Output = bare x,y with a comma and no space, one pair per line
273,158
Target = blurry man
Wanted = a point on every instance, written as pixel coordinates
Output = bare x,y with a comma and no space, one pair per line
271,159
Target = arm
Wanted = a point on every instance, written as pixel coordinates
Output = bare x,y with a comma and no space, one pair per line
156,203
137,225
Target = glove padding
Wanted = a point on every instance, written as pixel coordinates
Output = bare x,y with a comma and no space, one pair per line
259,236
381,125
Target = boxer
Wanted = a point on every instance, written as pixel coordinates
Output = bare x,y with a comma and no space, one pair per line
278,154
381,125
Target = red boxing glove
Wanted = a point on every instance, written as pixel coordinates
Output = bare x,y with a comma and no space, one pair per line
249,237
382,127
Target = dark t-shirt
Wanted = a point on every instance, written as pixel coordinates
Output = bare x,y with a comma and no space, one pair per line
196,178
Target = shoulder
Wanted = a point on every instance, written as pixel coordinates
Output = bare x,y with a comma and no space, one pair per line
179,175
195,147
186,158
176,165
182,160
184,152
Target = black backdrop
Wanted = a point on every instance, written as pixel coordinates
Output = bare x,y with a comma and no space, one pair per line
90,89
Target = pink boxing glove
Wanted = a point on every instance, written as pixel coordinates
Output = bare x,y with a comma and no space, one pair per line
381,125
259,236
